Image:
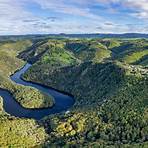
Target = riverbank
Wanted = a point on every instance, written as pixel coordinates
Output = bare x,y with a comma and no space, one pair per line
25,99
28,97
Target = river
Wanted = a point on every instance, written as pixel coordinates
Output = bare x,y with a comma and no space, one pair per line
62,101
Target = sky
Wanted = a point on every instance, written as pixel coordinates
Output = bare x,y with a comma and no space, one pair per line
19,17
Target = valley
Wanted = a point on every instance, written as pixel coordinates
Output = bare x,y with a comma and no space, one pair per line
108,78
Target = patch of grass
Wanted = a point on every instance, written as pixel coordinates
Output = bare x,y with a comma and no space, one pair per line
59,57
134,57
101,55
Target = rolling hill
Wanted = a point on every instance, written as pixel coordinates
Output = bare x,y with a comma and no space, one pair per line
107,77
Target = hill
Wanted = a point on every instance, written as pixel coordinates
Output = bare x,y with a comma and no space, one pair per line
107,77
111,93
15,132
63,35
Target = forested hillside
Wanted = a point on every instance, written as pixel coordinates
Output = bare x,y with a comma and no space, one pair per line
109,82
15,132
108,79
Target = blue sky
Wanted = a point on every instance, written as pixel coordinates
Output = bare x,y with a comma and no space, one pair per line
73,16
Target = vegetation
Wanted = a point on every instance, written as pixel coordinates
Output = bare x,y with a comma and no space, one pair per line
20,133
88,50
107,77
122,117
135,56
27,97
131,51
111,97
16,132
99,79
31,98
57,56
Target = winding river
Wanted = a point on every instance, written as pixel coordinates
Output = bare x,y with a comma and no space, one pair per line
62,101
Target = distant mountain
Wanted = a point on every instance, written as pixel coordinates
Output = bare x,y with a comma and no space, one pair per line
92,35
100,35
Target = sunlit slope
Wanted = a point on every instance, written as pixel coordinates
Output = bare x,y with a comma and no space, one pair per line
89,50
131,51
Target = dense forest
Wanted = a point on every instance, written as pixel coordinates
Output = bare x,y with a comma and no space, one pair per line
108,78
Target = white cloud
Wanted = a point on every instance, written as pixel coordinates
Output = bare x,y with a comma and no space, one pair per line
11,16
141,15
68,7
16,19
139,6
